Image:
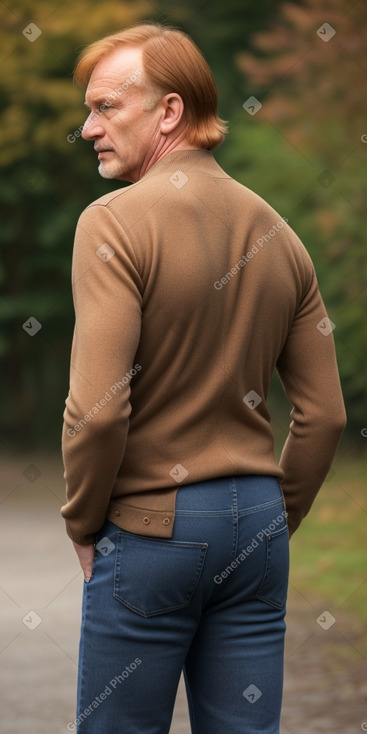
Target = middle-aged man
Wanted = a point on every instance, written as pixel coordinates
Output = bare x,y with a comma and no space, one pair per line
189,292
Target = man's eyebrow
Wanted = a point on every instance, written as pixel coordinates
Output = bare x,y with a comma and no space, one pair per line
97,102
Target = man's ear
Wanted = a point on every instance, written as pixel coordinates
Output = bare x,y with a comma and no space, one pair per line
173,108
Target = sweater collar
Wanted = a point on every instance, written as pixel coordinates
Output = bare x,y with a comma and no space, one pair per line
192,158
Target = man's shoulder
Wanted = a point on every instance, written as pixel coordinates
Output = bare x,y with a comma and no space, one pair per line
107,199
173,180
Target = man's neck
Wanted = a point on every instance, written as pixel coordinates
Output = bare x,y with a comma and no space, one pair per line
163,149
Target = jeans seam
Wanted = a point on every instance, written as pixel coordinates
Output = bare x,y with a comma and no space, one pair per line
235,518
205,513
260,508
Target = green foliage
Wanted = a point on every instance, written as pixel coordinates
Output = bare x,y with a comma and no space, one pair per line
46,183
330,226
309,159
328,550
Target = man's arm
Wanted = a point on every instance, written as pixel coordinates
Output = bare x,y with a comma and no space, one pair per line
107,302
308,370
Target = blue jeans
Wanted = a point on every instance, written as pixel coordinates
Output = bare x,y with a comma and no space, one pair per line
210,602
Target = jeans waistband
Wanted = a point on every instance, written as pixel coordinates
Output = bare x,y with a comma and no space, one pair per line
229,494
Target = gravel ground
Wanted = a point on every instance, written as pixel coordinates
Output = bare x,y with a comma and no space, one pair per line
40,592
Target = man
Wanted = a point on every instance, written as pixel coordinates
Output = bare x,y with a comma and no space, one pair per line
189,291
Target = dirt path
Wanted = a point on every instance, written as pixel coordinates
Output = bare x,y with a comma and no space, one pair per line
40,593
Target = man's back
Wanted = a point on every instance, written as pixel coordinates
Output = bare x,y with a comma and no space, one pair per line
205,289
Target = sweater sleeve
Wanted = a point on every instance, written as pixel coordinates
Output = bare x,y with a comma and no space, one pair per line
107,301
308,371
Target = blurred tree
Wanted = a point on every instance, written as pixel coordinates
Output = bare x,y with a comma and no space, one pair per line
221,30
310,76
48,176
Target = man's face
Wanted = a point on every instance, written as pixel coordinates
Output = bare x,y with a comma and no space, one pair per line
126,135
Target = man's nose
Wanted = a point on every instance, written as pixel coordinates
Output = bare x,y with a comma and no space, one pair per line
92,127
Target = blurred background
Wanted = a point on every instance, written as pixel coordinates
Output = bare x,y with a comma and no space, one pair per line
302,147
304,151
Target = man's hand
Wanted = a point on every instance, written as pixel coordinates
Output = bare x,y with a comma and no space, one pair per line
85,554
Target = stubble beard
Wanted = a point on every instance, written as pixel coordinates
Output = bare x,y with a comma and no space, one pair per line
113,169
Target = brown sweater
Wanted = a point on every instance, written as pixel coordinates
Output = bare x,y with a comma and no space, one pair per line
189,291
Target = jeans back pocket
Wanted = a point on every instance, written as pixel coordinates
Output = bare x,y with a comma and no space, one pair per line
274,585
154,576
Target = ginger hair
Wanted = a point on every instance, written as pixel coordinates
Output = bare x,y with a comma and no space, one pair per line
171,63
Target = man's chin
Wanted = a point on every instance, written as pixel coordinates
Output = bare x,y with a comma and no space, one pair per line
106,171
111,171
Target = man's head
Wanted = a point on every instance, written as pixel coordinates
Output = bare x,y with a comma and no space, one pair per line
150,91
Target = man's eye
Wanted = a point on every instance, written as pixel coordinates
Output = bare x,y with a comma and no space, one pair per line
105,107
